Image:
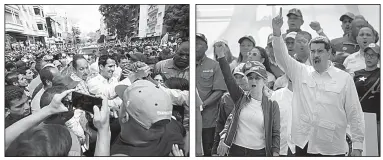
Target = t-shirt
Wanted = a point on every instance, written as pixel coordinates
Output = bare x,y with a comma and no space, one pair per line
364,80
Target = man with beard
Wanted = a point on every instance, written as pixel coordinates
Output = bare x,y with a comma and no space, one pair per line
210,86
325,100
177,66
16,104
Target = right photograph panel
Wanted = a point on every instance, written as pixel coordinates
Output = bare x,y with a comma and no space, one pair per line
288,80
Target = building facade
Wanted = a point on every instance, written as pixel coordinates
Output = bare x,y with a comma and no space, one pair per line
151,21
25,25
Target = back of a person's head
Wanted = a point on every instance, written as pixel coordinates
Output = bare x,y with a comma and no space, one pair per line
12,93
46,98
177,83
46,74
42,141
39,65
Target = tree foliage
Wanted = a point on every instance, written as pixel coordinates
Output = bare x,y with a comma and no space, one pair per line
120,19
176,19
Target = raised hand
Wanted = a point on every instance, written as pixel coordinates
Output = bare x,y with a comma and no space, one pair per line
277,21
101,117
56,105
315,26
219,49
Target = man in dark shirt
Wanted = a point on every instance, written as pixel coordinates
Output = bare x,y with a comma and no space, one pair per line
210,86
16,104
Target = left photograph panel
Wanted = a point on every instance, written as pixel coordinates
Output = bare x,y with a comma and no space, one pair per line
96,80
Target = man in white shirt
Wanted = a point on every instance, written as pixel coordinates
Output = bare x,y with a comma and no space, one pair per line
284,98
325,100
356,61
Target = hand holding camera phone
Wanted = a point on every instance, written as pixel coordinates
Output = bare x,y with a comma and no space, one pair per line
85,102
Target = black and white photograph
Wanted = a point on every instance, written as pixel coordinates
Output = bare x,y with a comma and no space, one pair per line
96,80
288,80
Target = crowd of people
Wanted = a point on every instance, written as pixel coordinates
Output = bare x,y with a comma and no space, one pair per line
145,101
301,95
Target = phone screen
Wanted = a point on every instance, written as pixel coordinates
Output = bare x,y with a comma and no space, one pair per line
85,102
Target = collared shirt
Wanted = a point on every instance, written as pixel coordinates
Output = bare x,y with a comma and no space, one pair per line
81,87
100,86
168,68
284,98
354,62
35,104
209,79
343,44
323,105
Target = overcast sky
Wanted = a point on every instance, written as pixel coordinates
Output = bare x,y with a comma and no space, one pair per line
87,17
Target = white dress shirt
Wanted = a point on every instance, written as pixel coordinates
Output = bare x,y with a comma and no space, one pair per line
284,98
354,62
323,105
100,86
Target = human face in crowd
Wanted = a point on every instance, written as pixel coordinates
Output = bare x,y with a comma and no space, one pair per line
124,61
256,84
148,49
301,47
255,55
107,70
365,37
179,40
371,58
346,25
319,56
290,43
201,48
82,70
29,74
22,81
245,47
181,58
294,22
356,25
159,79
242,82
20,107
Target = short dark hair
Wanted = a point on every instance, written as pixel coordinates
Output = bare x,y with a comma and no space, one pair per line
12,93
42,140
12,77
9,66
322,40
39,65
46,74
75,58
102,60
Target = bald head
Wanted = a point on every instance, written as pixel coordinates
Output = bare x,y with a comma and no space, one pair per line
356,25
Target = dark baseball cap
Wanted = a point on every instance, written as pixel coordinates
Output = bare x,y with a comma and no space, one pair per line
296,12
247,37
348,14
202,36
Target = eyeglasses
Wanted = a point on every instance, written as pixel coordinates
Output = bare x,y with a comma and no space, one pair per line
370,56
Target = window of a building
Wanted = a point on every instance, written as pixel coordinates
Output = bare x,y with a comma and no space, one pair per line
40,27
